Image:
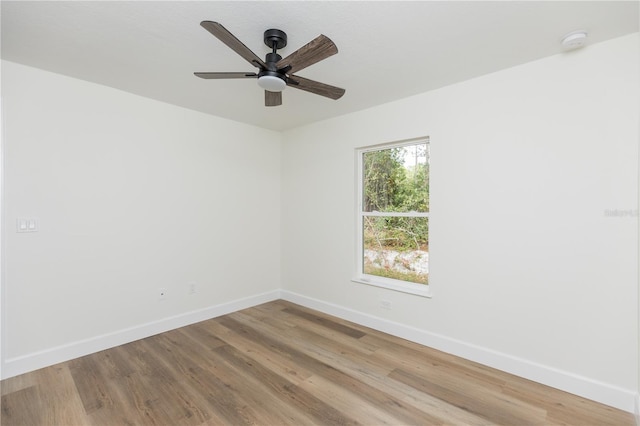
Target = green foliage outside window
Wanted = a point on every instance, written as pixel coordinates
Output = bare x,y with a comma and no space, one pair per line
396,180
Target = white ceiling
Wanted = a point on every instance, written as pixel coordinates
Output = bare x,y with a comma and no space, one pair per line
387,49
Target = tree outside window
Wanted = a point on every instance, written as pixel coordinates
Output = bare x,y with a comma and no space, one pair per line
394,212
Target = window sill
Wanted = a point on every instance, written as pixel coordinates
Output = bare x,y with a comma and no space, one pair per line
415,289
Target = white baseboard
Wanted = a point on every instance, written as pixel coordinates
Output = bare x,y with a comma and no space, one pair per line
585,387
33,361
579,385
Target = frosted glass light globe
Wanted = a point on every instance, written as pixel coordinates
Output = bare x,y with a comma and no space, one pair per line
271,83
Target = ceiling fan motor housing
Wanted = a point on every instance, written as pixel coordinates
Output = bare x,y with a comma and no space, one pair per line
271,71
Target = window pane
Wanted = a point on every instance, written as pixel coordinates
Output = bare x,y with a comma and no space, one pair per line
396,247
396,179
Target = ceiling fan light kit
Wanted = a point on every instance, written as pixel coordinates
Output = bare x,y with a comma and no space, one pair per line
272,83
276,73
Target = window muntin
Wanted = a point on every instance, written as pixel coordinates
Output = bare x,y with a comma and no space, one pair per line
393,215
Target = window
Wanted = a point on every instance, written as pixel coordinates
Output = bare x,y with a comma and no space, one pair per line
393,216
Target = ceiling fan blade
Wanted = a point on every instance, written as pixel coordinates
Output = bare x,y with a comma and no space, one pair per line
219,75
316,50
230,40
315,87
272,98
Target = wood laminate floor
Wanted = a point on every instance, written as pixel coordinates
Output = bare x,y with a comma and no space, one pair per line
282,364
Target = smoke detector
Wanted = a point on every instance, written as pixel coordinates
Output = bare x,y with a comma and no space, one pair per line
574,40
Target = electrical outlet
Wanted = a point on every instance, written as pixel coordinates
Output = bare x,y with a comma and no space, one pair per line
385,304
193,288
162,293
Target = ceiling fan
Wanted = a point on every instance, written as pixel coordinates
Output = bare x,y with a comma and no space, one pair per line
276,73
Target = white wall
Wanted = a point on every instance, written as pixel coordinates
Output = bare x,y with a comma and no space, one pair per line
528,272
132,195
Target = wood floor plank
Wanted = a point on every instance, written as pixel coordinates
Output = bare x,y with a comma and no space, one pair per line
281,394
91,385
21,407
374,373
484,405
352,340
201,336
363,369
125,394
321,320
283,364
405,412
225,397
348,401
569,411
421,359
187,407
58,400
17,383
447,381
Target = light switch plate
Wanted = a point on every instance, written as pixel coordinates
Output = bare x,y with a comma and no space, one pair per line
27,224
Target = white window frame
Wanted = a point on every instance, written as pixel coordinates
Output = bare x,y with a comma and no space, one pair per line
360,276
